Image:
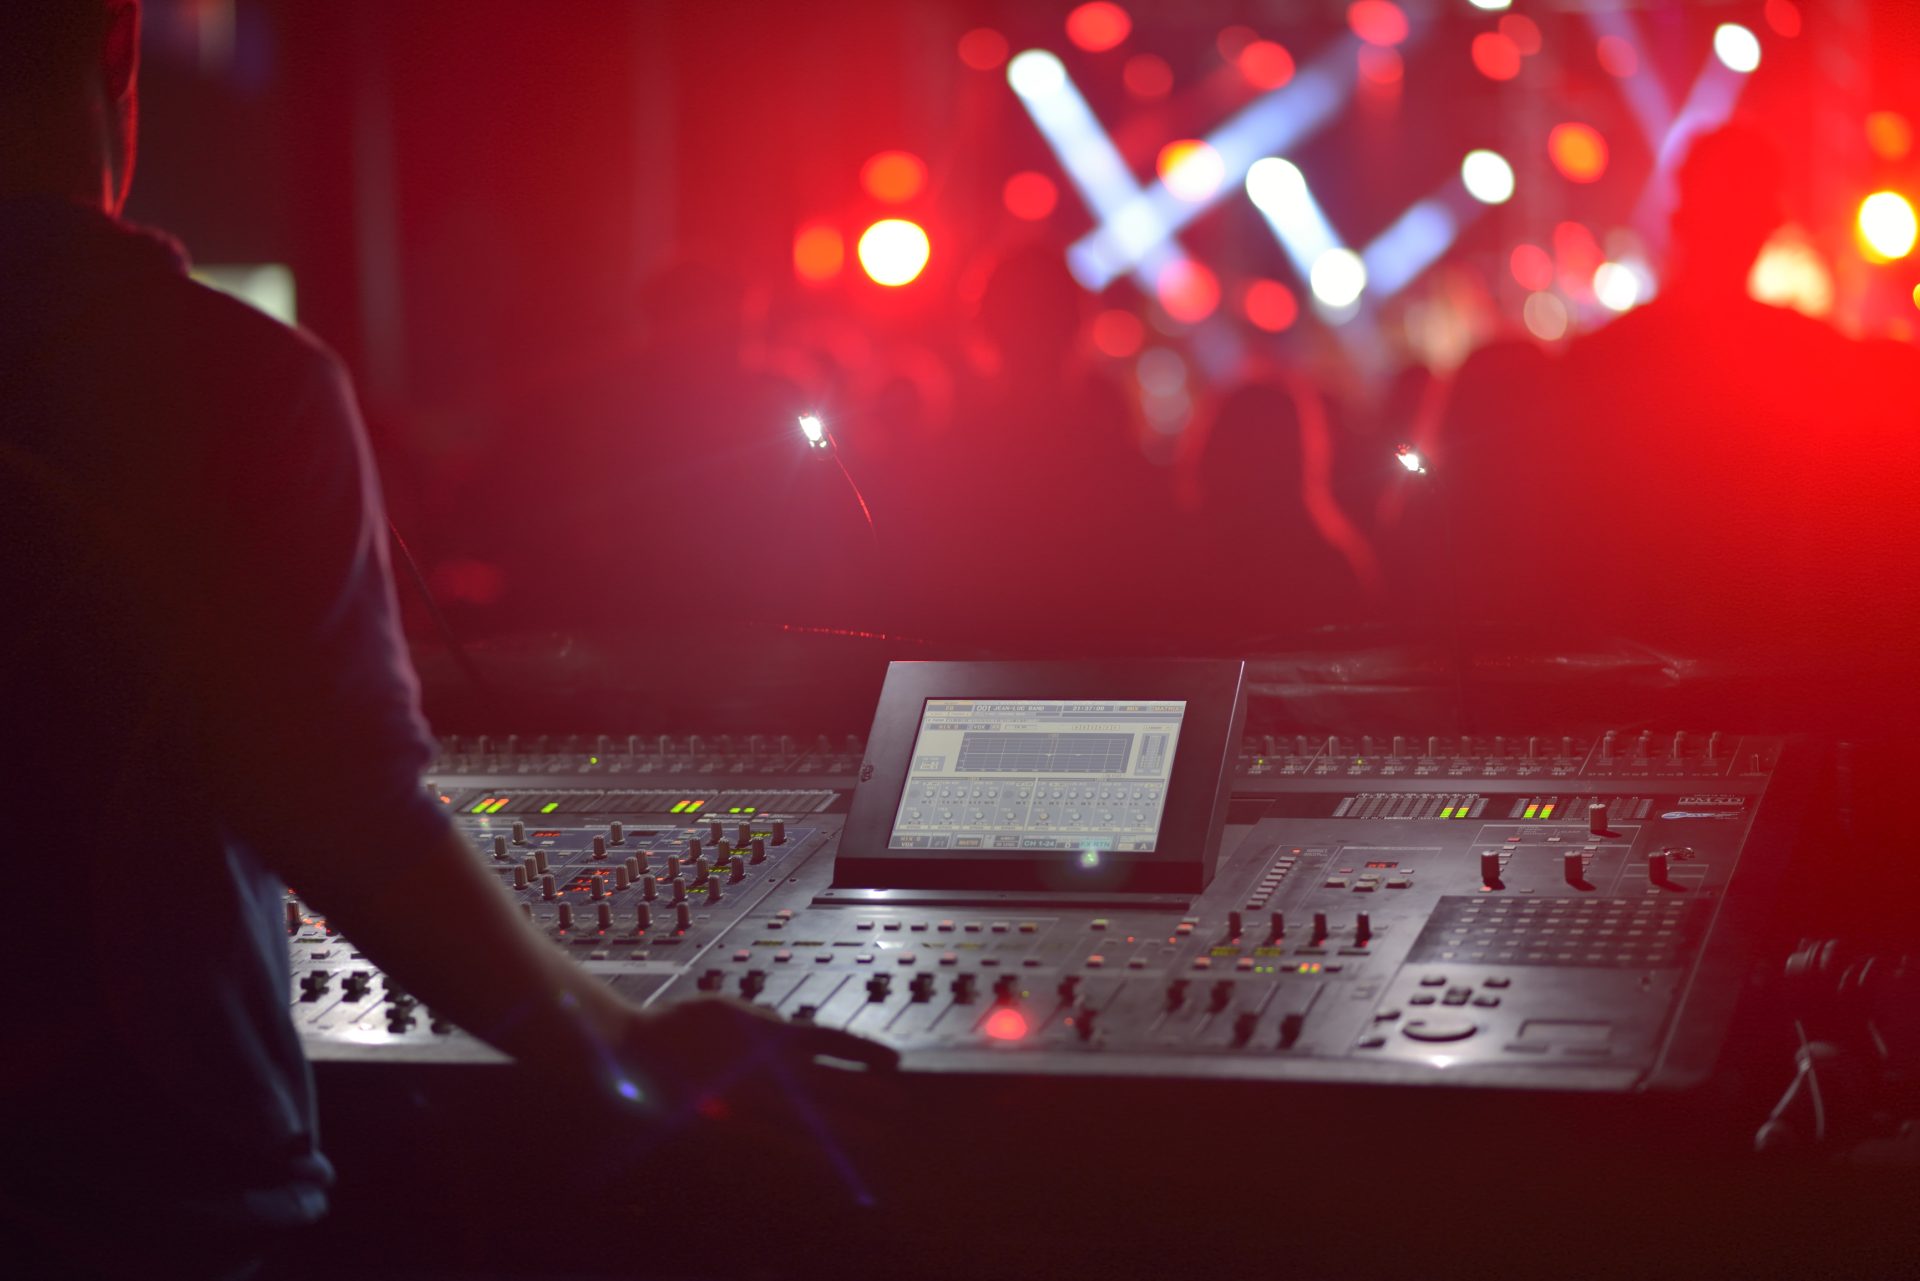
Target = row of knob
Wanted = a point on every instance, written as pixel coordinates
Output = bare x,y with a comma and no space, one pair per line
1573,868
694,747
1613,745
642,917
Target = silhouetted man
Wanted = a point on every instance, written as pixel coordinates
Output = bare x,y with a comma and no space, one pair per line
206,699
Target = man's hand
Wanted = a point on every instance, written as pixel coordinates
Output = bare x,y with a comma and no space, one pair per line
700,1053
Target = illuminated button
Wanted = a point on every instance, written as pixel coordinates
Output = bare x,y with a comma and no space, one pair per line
863,925
783,956
1185,927
1001,927
1244,963
1099,923
1096,961
823,958
865,958
1203,962
1029,927
907,958
949,958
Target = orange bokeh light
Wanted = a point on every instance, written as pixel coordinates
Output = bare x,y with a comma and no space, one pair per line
1030,196
1889,134
894,176
1265,64
819,252
1098,26
1578,151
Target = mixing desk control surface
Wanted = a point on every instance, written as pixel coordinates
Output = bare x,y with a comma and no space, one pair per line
1534,911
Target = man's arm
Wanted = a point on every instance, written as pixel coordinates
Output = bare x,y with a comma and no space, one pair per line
304,675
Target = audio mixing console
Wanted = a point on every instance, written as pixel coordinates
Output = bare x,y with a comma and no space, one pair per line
1548,911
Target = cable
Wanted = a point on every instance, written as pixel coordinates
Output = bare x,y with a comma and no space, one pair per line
464,660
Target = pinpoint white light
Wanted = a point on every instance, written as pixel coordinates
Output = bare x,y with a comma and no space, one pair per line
1736,46
1488,177
814,430
1410,459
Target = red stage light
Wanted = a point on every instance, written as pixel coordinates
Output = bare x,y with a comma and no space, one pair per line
1618,57
1148,76
1118,334
1270,306
1030,196
1382,66
894,176
1523,31
1784,17
1188,291
1578,151
1496,56
1532,267
894,252
1232,40
1005,1024
1265,65
1378,22
983,49
1098,26
819,252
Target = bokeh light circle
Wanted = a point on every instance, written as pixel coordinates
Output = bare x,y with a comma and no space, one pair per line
1488,177
894,252
1578,151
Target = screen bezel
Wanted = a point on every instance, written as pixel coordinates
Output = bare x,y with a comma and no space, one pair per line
1190,823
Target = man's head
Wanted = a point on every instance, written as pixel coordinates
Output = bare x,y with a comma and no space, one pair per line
1732,193
68,105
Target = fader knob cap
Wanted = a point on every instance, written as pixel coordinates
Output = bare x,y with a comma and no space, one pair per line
566,916
596,889
679,889
643,919
519,832
737,868
759,848
293,917
599,847
621,879
745,833
499,847
673,866
722,850
1319,927
716,829
1658,864
519,878
1597,818
1233,925
682,917
605,917
539,860
547,888
714,892
1490,869
1362,929
1571,866
779,831
649,888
